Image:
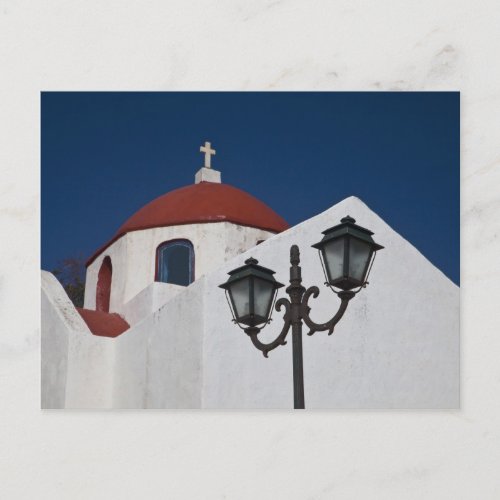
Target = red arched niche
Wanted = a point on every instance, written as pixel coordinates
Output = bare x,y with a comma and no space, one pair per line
103,291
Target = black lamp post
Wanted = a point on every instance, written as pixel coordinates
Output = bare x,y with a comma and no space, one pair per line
346,251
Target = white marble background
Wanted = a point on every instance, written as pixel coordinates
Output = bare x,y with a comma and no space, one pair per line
244,45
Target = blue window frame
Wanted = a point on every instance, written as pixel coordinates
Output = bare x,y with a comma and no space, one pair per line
175,262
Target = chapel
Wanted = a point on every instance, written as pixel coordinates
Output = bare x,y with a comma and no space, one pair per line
173,240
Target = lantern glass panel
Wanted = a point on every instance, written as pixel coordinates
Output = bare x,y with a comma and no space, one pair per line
359,256
333,254
240,297
263,296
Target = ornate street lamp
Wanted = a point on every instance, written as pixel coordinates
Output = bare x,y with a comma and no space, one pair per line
346,251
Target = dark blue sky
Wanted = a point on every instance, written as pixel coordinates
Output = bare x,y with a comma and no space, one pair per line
106,154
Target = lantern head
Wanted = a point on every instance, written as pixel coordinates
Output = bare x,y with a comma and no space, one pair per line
251,289
347,251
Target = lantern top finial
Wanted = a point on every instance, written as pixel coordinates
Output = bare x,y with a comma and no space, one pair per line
251,260
348,218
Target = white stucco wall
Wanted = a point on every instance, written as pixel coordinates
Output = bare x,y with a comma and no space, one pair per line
133,256
148,300
91,374
59,320
77,367
158,361
155,364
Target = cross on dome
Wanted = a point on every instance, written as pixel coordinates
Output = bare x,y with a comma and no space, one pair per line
208,152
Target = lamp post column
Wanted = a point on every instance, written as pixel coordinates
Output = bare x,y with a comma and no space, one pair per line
296,291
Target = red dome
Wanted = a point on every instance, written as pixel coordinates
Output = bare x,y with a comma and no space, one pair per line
203,202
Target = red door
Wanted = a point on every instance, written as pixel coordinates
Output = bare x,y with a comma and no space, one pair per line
103,291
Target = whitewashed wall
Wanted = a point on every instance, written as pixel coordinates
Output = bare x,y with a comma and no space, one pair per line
158,361
60,321
77,366
133,256
148,300
155,364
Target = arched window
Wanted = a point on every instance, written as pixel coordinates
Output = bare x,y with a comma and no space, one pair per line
103,291
175,262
